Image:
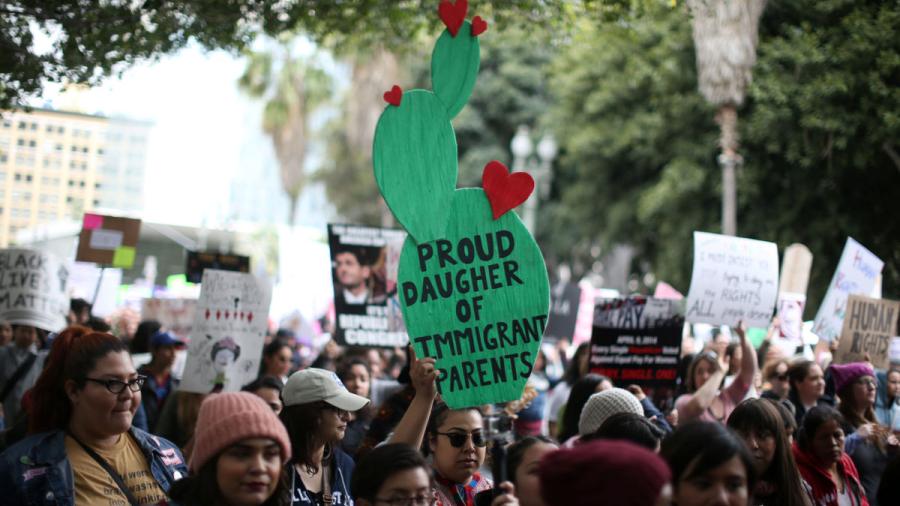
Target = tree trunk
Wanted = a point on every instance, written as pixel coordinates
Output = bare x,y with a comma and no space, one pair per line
729,160
292,209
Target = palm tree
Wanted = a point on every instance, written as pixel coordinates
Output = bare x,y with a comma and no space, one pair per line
293,89
725,38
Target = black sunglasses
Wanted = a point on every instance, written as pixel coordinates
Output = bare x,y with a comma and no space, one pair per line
458,439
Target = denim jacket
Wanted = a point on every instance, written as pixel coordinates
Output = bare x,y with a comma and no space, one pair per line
36,470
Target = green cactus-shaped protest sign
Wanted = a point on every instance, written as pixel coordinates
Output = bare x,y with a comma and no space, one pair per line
472,281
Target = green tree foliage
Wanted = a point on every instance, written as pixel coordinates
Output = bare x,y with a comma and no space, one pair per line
638,144
819,138
93,39
822,133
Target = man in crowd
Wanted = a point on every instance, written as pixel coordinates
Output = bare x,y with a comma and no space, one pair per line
160,382
354,274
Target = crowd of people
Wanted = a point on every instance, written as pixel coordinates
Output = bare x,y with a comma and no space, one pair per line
342,426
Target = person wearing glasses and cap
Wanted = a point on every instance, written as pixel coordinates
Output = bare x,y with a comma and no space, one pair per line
83,448
316,412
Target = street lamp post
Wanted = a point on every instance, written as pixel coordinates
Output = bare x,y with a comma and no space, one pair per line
522,148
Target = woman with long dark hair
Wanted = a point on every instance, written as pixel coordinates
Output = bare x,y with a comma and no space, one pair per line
357,376
277,360
709,464
578,367
825,467
523,460
759,423
393,474
83,448
239,451
316,412
807,388
583,389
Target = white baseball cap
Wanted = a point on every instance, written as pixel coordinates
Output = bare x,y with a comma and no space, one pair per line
311,385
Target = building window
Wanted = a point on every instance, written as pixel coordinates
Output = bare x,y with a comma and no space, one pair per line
69,199
20,142
7,123
34,126
22,125
96,203
18,177
28,177
81,184
96,186
61,129
71,183
32,144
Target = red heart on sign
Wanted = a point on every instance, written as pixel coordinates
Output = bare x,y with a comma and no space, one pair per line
478,26
394,96
249,317
504,190
453,14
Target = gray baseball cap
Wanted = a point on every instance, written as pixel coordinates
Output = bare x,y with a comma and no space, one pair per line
311,385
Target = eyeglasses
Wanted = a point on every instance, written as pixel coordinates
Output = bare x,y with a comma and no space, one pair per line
419,500
118,386
867,382
458,439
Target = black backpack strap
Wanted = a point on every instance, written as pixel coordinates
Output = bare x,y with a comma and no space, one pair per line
109,469
16,376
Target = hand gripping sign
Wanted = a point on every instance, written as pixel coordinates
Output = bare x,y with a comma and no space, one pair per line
472,282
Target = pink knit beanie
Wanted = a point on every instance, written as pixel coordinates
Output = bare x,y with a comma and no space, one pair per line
227,418
621,473
844,374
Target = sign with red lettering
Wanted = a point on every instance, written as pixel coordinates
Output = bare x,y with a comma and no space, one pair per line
637,341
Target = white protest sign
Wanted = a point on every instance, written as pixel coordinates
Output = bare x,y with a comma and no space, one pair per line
894,350
856,274
734,279
228,334
33,289
83,278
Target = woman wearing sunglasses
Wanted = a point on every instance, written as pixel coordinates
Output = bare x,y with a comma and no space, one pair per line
83,448
454,440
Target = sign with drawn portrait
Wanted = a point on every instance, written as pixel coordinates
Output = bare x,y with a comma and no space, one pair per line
228,334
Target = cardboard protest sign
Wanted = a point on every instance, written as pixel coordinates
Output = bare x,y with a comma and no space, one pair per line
734,279
198,261
229,331
174,315
473,285
856,274
108,240
869,326
364,264
564,303
637,341
33,289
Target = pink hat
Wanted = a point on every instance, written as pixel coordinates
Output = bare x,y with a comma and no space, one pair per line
227,418
613,465
844,374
